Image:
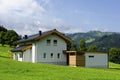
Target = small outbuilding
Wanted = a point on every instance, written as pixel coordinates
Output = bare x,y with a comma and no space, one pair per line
87,59
96,59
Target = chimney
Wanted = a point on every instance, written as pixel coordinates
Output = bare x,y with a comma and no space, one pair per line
25,36
40,32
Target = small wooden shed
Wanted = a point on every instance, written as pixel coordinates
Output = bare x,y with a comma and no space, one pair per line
75,58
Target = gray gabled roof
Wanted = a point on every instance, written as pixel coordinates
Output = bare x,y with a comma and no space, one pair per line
44,34
31,37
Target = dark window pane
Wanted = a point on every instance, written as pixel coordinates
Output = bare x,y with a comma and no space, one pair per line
91,56
58,56
51,55
55,42
44,55
48,42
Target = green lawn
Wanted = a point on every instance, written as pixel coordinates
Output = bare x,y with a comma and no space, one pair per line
14,70
5,50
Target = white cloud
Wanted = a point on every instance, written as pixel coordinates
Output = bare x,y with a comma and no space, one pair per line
20,14
21,6
29,16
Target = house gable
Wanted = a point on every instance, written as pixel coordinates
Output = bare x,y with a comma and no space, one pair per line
51,53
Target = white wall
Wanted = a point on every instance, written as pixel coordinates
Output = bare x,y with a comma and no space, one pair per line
98,61
17,56
42,48
34,50
27,55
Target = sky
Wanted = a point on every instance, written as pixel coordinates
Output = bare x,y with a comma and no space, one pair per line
68,16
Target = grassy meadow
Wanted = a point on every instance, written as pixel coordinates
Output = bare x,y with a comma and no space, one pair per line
5,50
14,70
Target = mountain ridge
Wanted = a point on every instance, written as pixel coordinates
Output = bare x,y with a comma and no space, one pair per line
98,38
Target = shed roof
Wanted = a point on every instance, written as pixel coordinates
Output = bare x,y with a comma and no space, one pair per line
84,52
21,48
36,37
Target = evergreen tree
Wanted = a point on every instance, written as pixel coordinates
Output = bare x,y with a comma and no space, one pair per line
2,38
2,29
74,46
69,46
83,45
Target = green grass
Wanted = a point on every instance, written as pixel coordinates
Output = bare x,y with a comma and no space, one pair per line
14,70
113,65
5,50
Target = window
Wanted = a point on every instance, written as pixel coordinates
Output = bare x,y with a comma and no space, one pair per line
21,55
55,42
58,55
91,56
51,55
48,42
44,55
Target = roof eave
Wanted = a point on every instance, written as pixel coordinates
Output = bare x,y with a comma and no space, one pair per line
16,51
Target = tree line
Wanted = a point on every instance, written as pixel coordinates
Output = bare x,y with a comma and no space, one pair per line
8,36
82,46
114,53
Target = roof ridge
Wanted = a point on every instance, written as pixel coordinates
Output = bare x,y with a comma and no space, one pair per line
37,36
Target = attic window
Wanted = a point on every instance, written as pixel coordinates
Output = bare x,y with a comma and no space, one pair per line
91,56
55,42
48,42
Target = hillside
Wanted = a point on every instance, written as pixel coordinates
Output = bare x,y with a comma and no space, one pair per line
106,42
12,70
103,40
88,36
5,51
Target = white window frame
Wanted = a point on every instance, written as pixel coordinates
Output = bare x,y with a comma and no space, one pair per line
48,41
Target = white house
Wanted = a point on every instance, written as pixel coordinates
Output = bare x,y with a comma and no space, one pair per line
46,47
51,47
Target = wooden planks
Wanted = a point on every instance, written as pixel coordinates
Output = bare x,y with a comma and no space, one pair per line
76,60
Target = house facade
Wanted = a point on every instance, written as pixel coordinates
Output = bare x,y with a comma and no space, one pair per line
44,47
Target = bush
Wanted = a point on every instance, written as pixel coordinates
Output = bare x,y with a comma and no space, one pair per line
115,55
